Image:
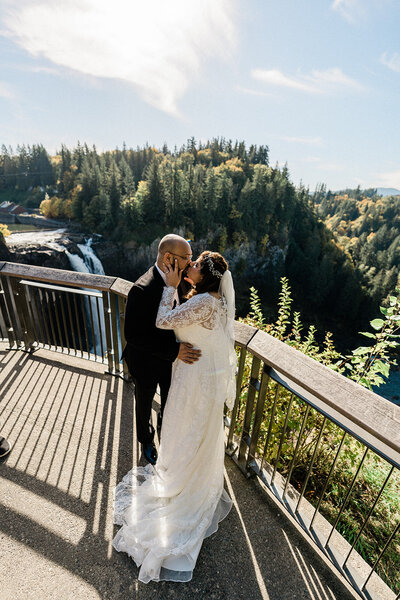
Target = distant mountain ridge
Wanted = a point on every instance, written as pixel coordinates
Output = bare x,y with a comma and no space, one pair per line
387,192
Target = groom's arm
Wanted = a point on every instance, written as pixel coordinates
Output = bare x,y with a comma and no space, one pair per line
140,330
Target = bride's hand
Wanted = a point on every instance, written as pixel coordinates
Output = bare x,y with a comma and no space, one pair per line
173,274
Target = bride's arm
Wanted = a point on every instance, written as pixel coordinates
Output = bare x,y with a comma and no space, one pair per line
196,310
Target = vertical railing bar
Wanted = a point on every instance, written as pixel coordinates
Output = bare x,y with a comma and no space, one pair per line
114,312
42,334
55,296
64,320
2,319
311,464
368,516
239,379
10,328
29,295
78,324
121,314
106,310
30,322
259,412
328,477
100,329
73,330
243,446
85,325
282,438
23,313
271,419
51,319
293,461
12,311
45,318
347,497
92,326
389,540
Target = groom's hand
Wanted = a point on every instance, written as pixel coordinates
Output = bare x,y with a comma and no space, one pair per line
188,354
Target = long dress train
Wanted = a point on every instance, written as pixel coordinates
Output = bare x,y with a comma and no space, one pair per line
166,511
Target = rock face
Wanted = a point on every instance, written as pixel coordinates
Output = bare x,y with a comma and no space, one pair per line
4,252
41,257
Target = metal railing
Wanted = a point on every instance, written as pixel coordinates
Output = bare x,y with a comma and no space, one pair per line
307,432
85,319
302,429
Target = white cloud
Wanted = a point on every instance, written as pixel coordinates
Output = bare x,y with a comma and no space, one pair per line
251,92
392,62
275,77
158,46
354,11
319,82
351,10
6,91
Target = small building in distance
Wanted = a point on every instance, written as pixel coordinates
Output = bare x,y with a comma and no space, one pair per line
9,212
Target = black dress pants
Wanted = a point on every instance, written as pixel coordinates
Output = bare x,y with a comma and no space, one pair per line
145,388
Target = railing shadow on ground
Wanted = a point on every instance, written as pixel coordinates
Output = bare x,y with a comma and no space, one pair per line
72,430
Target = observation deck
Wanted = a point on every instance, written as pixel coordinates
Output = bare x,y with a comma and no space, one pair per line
67,408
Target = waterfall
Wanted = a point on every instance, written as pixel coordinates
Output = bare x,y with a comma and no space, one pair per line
90,263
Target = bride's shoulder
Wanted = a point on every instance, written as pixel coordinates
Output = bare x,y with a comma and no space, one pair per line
203,298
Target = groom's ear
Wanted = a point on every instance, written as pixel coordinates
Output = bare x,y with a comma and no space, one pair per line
168,258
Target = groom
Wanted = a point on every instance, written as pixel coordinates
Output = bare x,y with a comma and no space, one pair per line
150,352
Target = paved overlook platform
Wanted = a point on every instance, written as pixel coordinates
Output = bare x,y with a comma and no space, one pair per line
73,434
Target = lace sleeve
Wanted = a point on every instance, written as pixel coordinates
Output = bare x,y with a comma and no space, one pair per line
199,309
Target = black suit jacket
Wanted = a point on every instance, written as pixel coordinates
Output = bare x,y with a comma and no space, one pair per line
146,344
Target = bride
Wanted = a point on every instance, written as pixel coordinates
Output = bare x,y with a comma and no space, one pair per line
167,510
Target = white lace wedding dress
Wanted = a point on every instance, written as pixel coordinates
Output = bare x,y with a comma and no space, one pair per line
166,511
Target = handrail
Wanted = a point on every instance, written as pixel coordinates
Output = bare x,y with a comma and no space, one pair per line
374,419
71,278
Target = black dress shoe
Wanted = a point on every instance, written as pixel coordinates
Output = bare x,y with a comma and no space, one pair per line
5,447
150,453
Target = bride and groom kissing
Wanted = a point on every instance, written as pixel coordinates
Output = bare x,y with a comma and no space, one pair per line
184,344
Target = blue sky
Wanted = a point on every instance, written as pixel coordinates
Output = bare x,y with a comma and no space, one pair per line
318,81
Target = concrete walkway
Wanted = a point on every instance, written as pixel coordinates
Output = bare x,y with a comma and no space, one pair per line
72,430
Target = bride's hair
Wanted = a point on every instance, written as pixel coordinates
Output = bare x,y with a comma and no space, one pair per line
212,266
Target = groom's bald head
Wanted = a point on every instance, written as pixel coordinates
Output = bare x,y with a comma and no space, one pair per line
173,245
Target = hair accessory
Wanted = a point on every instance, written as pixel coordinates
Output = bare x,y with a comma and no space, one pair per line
211,267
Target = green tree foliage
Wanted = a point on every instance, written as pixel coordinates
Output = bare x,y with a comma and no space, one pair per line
367,227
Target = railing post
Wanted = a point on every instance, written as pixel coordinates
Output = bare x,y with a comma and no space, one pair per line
24,313
107,312
230,446
258,414
19,314
245,438
122,332
6,315
114,324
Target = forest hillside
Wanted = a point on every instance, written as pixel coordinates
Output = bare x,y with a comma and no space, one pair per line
367,227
